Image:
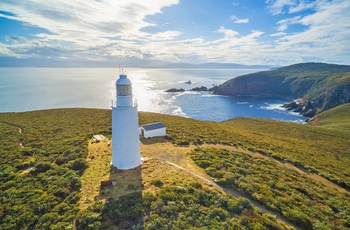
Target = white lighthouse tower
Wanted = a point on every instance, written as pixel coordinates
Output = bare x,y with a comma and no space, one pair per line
125,130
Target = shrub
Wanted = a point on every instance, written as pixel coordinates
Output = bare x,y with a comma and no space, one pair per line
156,182
43,167
79,165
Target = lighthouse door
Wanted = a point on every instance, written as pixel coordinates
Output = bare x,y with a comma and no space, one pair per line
142,132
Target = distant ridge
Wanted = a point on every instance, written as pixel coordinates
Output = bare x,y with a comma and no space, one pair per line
321,86
17,62
214,65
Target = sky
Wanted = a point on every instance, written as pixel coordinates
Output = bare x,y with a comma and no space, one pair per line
153,32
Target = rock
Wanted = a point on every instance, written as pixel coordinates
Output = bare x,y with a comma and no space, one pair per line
173,90
304,107
202,88
214,88
290,106
308,113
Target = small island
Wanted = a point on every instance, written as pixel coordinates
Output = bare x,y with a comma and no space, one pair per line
198,89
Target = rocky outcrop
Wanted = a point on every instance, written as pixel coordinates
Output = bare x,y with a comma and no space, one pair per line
173,90
214,88
202,88
321,86
304,107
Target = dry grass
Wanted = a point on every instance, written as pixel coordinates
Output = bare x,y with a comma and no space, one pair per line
175,154
156,151
99,158
124,182
155,169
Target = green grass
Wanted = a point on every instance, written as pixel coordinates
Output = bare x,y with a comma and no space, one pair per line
320,150
40,182
172,199
336,118
303,201
323,151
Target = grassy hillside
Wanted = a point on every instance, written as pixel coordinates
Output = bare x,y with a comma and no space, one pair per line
45,158
325,152
325,85
302,200
336,118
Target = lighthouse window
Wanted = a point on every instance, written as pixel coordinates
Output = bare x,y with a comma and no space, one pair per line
123,90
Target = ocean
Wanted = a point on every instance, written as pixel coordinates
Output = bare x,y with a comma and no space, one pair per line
26,89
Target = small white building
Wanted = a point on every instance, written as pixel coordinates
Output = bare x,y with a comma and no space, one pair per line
98,137
153,130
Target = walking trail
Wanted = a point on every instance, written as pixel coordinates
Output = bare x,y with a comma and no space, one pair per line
175,156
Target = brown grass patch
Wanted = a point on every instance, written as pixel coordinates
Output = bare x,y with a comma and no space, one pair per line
99,159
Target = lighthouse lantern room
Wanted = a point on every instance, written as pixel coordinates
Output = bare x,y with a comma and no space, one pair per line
125,130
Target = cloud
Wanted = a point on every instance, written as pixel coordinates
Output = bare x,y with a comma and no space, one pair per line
235,19
282,6
279,34
111,31
227,32
83,21
302,6
285,23
5,51
327,32
278,6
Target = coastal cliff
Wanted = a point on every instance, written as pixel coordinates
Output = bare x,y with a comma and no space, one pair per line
318,86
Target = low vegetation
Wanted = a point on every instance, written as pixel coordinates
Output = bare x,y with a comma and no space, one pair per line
43,156
171,199
336,118
303,201
45,164
322,151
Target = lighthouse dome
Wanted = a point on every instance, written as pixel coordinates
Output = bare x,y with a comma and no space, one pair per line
123,80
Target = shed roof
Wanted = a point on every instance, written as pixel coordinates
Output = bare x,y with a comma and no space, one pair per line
153,126
98,137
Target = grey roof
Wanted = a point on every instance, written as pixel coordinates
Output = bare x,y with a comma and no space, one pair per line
153,126
99,137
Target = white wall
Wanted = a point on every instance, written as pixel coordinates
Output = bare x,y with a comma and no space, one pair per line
154,133
125,138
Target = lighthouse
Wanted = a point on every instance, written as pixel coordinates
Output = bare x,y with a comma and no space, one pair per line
125,130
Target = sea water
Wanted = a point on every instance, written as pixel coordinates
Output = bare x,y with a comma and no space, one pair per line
25,89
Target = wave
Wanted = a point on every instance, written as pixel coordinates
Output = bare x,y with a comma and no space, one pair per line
212,95
178,112
272,107
185,93
297,121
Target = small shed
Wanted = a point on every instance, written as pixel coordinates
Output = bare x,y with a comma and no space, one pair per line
153,130
98,137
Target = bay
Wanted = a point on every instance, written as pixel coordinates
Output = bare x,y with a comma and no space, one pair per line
26,89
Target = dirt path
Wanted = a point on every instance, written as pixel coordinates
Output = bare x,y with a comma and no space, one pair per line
175,156
284,164
229,191
168,151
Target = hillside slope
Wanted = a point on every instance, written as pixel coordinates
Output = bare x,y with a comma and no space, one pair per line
45,156
324,85
335,118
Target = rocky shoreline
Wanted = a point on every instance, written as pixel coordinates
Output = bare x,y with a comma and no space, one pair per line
198,89
302,106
